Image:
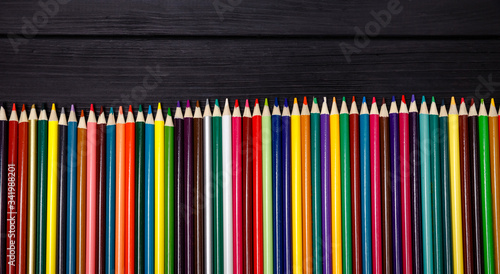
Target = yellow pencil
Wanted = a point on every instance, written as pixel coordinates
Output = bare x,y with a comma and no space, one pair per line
335,188
52,191
296,189
159,192
456,209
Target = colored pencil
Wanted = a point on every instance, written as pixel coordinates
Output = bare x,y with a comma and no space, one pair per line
316,188
366,236
71,193
227,191
198,188
484,156
495,179
189,177
356,189
406,218
149,193
4,138
375,187
130,192
81,193
296,187
110,192
445,174
207,190
247,180
267,189
22,192
416,206
163,256
237,190
476,189
91,222
140,147
10,259
101,192
326,194
425,179
52,192
345,183
437,202
455,197
62,201
218,256
336,189
465,180
41,199
257,190
32,172
395,179
179,194
287,189
277,189
167,215
386,159
305,135
140,159
121,192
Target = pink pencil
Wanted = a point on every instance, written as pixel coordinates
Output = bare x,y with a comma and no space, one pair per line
375,183
90,249
237,192
404,148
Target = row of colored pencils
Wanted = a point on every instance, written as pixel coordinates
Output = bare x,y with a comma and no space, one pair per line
275,190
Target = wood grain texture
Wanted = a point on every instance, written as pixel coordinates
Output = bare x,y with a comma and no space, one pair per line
255,17
106,71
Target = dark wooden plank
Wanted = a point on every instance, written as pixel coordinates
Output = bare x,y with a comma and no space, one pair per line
255,17
106,71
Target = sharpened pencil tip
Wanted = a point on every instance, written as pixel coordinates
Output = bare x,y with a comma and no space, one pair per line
472,101
374,101
72,107
493,102
305,101
23,108
403,99
120,110
353,99
423,99
129,108
364,100
315,101
91,107
256,101
295,101
178,104
102,110
140,108
413,98
276,101
188,104
217,102
334,100
33,106
452,100
383,100
482,101
286,103
111,111
53,106
150,111
462,100
82,114
343,99
169,112
197,103
236,103
394,99
159,106
247,105
266,103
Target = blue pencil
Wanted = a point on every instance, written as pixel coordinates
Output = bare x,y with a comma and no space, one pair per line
149,165
110,193
364,145
397,244
277,189
71,192
287,189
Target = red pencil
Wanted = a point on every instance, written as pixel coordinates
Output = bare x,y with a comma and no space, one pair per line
10,261
356,188
22,198
129,192
257,190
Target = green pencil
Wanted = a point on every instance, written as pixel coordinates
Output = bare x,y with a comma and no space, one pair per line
345,179
267,188
217,186
41,214
169,193
139,191
484,161
437,226
316,188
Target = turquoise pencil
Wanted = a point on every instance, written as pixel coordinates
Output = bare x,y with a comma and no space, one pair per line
109,260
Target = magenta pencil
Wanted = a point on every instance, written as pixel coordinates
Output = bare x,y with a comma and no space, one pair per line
237,192
91,190
404,158
375,183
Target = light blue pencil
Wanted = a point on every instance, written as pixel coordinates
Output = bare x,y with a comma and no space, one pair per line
71,192
149,165
364,145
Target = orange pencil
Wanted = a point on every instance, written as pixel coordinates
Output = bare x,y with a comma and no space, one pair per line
305,133
120,195
129,191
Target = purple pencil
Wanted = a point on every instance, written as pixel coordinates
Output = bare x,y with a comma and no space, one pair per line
397,247
326,215
180,197
188,176
416,204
